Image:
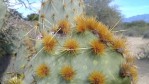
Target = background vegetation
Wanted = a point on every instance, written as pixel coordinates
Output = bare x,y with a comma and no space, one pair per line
136,28
110,15
103,11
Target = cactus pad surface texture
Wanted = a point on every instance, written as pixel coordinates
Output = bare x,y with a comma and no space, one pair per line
72,48
52,11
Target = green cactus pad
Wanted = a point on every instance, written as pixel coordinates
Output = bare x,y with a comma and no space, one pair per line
74,49
54,10
89,59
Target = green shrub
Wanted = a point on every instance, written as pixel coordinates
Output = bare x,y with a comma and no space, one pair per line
146,34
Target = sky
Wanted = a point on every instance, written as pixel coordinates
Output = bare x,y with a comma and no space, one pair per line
127,8
130,8
33,8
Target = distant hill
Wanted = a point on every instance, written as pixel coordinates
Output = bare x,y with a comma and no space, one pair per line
144,17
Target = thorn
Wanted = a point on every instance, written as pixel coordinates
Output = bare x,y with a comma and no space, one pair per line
43,4
71,1
64,6
67,16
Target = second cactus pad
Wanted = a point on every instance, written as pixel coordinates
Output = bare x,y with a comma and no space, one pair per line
54,10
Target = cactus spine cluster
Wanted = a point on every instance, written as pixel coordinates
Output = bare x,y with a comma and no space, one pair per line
73,48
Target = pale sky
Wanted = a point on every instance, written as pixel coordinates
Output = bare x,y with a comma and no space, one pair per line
128,8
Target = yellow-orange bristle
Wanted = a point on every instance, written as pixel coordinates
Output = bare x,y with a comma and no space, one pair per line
126,51
42,71
129,70
49,43
124,72
71,45
129,58
104,33
134,73
119,44
64,26
91,23
81,24
68,73
96,78
97,47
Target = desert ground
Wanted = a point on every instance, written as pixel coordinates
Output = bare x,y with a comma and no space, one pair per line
134,44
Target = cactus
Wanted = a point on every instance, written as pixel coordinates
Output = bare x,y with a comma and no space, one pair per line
53,11
88,54
78,50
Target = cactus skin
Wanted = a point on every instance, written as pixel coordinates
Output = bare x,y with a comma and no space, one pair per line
53,11
86,52
79,58
3,13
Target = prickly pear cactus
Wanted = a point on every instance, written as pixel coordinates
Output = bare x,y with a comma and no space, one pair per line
88,54
54,10
3,12
80,50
